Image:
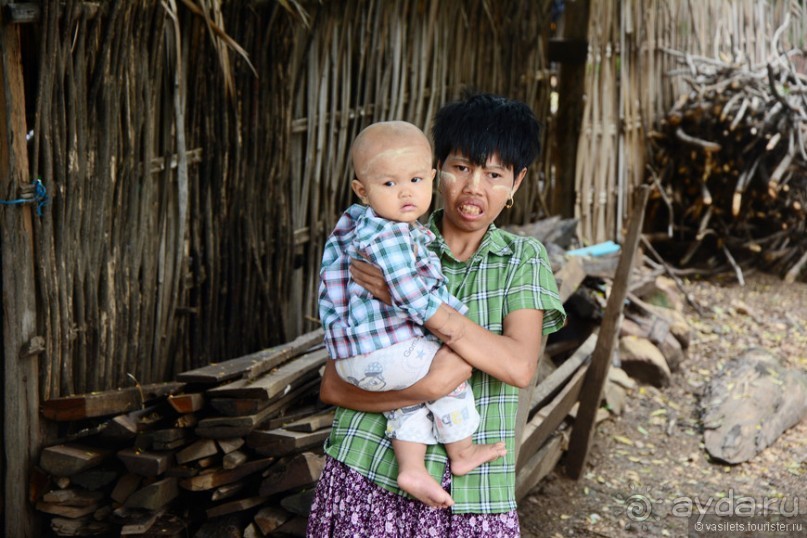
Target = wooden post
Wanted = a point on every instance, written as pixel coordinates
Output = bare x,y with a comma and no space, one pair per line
571,85
597,374
21,426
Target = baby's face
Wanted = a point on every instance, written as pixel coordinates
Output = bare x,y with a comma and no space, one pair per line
397,181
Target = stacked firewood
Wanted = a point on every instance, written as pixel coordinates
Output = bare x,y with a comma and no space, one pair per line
165,459
730,159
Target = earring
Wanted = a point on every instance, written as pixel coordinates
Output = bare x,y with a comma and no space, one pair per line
509,203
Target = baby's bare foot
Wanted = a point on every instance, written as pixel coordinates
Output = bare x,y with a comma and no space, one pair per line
472,456
424,488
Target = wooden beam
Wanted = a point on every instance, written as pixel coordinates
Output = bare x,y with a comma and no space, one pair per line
597,375
22,431
538,466
110,402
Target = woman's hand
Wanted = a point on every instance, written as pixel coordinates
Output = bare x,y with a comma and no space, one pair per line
370,277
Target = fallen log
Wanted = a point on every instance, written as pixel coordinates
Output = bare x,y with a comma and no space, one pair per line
749,404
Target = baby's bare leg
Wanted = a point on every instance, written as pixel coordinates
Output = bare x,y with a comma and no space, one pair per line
465,456
413,477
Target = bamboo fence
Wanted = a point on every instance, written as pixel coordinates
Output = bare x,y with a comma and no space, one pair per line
195,156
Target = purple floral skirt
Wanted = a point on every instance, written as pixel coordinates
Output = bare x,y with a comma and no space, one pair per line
346,504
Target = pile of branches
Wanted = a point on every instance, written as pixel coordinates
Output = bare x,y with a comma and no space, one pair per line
730,160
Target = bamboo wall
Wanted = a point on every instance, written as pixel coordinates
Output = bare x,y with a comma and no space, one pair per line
195,155
195,151
637,56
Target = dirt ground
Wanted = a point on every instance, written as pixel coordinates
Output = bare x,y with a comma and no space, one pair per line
648,469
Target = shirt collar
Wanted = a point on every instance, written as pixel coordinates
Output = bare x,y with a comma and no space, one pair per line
493,242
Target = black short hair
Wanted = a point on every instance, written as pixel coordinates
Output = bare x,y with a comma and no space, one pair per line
482,125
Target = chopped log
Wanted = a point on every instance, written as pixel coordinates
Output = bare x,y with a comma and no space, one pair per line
228,445
296,526
134,521
749,404
216,478
67,460
95,478
155,496
268,519
643,361
84,526
224,492
299,503
98,404
233,459
295,472
126,485
196,451
280,442
168,438
65,510
145,463
187,403
235,506
251,366
73,497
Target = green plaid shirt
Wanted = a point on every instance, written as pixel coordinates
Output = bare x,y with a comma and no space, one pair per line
507,273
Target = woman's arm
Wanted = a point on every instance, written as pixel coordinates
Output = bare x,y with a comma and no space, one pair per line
447,371
520,342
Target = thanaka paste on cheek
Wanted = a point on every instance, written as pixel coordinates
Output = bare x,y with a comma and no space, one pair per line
447,176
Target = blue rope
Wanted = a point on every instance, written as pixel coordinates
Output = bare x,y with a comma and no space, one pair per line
40,197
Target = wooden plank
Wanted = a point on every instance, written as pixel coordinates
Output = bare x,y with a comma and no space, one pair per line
570,277
228,427
270,518
251,366
538,466
187,403
280,441
111,402
238,407
299,471
553,383
22,428
583,429
220,477
312,423
126,485
274,383
67,460
233,459
548,418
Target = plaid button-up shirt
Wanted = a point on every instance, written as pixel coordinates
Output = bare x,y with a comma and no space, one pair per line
507,273
355,323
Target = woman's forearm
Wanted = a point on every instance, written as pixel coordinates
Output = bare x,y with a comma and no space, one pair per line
510,357
446,373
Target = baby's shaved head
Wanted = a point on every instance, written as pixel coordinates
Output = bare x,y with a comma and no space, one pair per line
381,139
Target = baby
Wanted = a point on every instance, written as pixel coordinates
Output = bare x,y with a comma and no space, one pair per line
380,347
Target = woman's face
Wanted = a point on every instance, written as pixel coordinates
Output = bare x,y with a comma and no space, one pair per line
473,195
